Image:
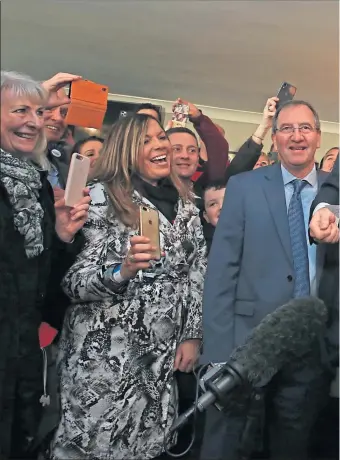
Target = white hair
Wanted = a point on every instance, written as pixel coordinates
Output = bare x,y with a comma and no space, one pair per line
20,85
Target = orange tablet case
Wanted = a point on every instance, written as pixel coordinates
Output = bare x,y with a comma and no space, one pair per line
88,104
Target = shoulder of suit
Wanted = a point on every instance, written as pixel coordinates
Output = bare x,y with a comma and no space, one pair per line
251,176
322,174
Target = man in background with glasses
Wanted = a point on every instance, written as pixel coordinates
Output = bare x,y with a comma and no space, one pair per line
260,259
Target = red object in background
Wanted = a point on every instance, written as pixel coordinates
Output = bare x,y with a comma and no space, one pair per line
196,175
46,334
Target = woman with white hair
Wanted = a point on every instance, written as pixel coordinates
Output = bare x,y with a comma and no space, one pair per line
39,240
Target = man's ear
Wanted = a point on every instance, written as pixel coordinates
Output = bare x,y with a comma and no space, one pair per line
274,142
205,215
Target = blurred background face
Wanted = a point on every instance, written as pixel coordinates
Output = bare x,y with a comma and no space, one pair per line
262,161
155,155
296,150
329,160
213,201
22,123
68,137
185,154
150,112
55,125
91,149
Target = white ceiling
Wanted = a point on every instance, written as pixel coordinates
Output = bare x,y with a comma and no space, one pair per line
230,54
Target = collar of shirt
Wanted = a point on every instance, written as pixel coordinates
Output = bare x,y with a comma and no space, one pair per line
311,178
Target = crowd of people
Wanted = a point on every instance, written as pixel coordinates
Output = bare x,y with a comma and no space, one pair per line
133,328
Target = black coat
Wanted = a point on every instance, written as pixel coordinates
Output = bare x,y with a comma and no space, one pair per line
29,293
329,281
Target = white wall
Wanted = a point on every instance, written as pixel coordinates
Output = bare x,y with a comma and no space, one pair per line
240,125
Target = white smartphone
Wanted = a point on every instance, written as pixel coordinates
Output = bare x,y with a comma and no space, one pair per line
76,179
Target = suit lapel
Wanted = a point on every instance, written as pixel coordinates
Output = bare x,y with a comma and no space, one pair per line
275,195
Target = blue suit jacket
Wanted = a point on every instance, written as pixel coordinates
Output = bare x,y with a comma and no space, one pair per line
250,269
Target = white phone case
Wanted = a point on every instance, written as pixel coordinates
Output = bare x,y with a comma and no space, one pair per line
76,179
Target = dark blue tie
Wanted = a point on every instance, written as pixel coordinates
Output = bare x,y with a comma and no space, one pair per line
298,241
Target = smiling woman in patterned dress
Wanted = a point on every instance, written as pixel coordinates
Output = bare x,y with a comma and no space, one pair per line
134,320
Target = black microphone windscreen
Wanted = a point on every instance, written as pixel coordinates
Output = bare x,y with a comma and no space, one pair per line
290,332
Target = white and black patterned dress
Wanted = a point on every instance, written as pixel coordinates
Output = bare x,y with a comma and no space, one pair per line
118,345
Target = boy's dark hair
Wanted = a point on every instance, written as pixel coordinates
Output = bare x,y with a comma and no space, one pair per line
180,129
216,185
149,106
79,144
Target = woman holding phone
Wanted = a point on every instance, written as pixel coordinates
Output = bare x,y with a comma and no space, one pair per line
134,319
38,243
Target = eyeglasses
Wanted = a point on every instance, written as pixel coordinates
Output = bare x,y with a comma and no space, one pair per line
289,129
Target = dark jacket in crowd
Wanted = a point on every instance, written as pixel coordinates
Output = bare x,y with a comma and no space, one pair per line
217,151
329,281
29,294
58,156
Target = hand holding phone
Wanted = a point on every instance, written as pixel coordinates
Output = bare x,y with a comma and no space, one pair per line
54,84
180,115
88,104
286,93
138,258
76,179
149,227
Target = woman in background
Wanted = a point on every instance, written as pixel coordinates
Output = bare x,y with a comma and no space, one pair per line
89,147
134,320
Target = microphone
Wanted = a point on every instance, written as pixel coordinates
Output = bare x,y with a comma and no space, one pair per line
289,333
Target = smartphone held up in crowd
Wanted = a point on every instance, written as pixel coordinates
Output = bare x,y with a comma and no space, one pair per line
180,115
76,179
286,93
88,104
149,227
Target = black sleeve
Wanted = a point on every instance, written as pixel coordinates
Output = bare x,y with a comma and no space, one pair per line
245,159
62,258
328,193
329,190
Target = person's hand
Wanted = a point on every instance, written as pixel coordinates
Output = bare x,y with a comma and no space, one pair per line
266,122
323,227
269,112
169,125
70,220
56,83
187,355
194,112
138,257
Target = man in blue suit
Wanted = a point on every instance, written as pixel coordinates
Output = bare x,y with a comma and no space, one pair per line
260,259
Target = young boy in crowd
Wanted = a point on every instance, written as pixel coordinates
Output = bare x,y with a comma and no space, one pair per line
213,197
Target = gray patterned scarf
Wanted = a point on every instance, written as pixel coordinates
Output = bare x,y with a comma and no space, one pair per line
22,182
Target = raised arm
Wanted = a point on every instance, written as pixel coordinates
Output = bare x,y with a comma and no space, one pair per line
250,151
216,145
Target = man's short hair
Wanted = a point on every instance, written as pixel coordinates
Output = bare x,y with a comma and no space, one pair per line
183,130
292,104
149,106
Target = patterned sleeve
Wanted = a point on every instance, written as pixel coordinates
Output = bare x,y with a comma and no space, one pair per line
105,246
193,322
